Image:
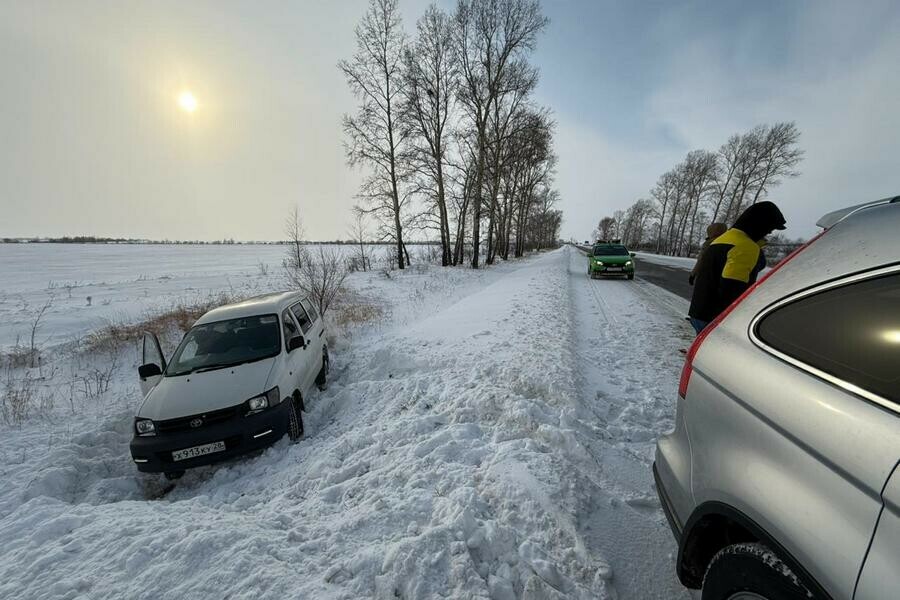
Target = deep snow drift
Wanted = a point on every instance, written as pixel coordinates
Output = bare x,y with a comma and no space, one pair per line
465,448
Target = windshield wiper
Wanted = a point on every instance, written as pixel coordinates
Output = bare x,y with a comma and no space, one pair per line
225,366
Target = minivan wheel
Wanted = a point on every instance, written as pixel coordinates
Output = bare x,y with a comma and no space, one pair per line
295,419
322,377
750,572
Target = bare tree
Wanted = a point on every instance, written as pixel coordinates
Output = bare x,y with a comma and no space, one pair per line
321,277
723,183
605,228
358,235
296,255
491,37
754,162
35,325
375,137
780,156
430,81
533,169
293,229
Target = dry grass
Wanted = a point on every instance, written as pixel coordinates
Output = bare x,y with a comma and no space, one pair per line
347,314
116,334
18,356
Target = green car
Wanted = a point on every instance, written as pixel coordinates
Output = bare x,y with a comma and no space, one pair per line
608,258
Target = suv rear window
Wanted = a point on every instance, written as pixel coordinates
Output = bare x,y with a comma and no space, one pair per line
851,332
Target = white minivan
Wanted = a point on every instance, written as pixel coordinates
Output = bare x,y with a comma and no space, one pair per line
235,384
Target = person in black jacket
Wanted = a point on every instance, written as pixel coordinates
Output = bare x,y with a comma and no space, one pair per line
732,262
712,232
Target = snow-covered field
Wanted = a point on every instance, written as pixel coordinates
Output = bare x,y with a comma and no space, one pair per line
89,285
489,436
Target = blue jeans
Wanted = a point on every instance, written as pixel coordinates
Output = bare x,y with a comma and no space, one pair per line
698,325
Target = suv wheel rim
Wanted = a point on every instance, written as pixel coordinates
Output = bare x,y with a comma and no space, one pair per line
746,596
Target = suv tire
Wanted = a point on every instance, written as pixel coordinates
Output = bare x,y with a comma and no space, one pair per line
750,571
295,419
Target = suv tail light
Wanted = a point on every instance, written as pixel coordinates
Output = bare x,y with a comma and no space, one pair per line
688,367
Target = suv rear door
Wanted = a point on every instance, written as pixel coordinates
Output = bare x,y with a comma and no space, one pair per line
847,333
880,577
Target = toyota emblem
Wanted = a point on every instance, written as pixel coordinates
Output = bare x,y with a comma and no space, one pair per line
195,423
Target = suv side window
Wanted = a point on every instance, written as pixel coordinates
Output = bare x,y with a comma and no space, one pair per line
302,317
310,309
851,332
288,326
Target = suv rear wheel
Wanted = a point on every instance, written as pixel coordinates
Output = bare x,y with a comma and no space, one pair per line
750,572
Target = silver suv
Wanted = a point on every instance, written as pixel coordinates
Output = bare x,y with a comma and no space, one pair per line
780,479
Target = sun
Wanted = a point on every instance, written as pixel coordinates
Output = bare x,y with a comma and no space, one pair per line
187,101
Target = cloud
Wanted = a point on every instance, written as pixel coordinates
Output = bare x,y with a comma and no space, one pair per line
843,101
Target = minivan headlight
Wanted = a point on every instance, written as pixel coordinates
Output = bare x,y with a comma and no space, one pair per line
263,401
144,427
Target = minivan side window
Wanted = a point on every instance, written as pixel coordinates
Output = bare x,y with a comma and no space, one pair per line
302,317
289,327
851,332
310,310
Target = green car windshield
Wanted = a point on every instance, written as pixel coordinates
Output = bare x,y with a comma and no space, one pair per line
610,250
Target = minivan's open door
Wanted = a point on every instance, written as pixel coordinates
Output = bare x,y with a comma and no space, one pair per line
880,576
153,363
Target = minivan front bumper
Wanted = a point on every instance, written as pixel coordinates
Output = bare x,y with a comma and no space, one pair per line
241,434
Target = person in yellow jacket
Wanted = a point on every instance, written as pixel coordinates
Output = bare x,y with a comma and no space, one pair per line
732,262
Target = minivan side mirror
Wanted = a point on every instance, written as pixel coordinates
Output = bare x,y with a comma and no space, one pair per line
296,342
632,254
149,370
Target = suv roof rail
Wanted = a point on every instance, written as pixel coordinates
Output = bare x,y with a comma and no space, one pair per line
836,216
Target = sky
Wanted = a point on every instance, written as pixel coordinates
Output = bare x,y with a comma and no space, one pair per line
93,142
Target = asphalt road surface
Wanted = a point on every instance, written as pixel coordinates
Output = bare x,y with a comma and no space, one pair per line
669,278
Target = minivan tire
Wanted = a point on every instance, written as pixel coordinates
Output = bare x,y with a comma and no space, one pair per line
751,569
322,377
295,419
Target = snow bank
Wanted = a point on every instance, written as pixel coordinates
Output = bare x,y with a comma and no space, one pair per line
443,461
680,262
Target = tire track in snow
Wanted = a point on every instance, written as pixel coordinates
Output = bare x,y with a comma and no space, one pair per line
627,365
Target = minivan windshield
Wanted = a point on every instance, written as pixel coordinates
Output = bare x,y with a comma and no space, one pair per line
610,250
226,344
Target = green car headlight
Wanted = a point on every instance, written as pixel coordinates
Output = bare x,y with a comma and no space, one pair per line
627,263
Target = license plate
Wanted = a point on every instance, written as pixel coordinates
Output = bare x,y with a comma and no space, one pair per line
613,268
198,451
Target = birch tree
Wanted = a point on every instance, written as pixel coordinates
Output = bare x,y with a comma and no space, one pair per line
490,36
430,81
375,138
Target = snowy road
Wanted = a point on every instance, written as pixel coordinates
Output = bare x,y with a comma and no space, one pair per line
628,334
491,439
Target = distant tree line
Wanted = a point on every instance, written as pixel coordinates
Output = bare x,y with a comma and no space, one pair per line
89,239
447,130
708,187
